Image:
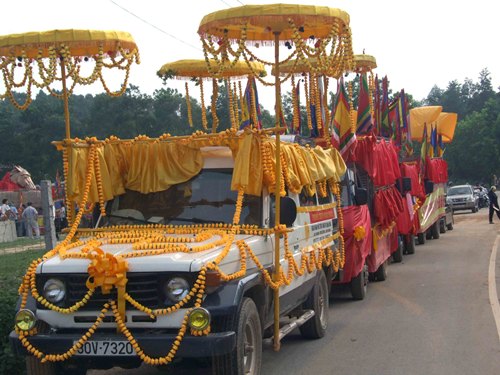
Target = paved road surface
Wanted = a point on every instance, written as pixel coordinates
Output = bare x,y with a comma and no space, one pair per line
431,316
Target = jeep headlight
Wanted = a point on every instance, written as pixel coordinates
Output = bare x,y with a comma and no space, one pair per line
176,289
54,290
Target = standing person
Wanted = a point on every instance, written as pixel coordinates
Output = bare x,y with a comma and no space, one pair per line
493,203
30,215
4,210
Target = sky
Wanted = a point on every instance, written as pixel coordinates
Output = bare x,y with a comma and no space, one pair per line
417,44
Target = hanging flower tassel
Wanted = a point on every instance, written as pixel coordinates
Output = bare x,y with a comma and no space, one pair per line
188,104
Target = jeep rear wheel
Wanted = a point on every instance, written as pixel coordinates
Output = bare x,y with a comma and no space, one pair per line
246,358
435,230
359,284
317,301
409,244
421,238
397,256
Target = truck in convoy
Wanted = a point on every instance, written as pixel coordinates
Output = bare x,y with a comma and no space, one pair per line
182,261
371,206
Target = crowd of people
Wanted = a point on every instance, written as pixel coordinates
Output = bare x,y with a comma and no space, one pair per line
26,218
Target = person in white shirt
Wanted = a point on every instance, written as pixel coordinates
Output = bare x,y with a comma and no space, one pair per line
30,215
4,210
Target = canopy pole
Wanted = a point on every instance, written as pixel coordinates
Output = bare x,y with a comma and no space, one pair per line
277,192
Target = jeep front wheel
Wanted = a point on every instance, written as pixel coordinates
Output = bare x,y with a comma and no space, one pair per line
246,358
315,327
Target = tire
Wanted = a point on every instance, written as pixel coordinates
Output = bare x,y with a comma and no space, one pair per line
421,238
315,327
409,244
246,358
381,273
428,234
449,226
442,225
435,230
35,367
397,256
359,285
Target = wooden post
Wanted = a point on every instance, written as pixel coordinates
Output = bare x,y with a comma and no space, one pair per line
277,268
48,214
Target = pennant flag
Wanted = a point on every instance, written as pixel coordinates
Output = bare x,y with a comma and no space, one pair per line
385,129
364,121
250,111
342,135
296,110
376,109
441,146
423,149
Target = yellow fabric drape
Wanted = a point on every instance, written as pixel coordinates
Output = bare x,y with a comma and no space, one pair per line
143,167
147,167
248,170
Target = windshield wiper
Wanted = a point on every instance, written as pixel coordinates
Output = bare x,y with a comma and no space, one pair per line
196,220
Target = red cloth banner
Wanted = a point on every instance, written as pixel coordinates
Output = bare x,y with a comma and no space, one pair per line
436,170
356,250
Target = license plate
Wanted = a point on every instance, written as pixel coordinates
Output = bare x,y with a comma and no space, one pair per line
106,348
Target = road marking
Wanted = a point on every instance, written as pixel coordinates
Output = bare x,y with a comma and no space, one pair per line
492,286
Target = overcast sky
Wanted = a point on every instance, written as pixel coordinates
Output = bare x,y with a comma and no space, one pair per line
416,43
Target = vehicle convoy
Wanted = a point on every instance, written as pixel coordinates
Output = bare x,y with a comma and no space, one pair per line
181,260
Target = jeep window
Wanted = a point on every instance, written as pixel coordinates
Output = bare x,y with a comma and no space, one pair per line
326,199
306,199
206,198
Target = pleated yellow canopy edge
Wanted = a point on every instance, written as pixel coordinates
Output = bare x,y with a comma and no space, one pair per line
79,42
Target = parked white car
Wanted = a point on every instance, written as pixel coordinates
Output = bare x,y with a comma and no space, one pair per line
462,197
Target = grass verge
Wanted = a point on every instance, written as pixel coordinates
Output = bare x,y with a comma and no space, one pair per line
12,269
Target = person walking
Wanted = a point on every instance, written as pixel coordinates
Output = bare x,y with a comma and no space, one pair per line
30,215
492,195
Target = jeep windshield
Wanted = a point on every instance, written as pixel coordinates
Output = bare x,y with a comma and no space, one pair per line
206,198
459,190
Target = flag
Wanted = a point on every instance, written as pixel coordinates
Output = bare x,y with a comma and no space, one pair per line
423,149
342,135
434,141
251,114
385,129
376,107
441,146
296,110
364,121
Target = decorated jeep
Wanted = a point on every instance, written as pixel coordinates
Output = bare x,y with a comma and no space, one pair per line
181,261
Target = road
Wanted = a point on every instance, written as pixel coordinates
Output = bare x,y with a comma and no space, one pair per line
432,315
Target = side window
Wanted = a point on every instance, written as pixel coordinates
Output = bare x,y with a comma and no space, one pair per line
328,195
306,199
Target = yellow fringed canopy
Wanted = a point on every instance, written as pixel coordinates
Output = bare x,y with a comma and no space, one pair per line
364,63
80,42
154,165
263,20
198,69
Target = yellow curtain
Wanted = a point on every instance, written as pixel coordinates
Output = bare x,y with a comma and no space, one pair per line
248,170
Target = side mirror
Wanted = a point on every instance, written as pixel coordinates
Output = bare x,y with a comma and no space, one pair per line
361,196
288,211
429,187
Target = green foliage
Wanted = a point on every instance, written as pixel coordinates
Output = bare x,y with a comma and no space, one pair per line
12,269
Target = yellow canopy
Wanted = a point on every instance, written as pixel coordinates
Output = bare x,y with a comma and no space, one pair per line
446,124
263,20
198,68
364,63
80,42
423,116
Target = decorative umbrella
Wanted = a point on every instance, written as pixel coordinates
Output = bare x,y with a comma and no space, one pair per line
196,70
423,117
309,31
36,56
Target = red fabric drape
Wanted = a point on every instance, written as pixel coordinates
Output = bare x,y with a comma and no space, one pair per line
436,170
356,251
